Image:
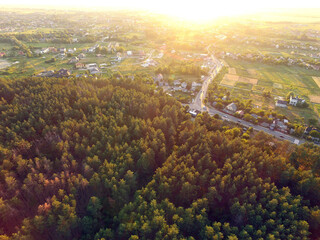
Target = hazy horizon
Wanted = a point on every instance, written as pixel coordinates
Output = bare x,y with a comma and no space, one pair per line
189,10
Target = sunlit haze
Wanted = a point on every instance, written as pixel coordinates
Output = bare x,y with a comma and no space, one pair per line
188,10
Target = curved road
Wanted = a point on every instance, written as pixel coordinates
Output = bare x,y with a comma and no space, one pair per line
198,104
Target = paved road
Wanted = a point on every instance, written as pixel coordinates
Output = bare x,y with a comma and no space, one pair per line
276,134
198,104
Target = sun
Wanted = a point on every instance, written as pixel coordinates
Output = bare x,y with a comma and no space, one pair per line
200,10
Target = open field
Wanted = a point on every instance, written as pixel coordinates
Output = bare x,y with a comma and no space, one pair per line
277,85
317,80
231,80
5,46
314,99
297,115
243,85
279,80
291,78
253,72
232,71
252,81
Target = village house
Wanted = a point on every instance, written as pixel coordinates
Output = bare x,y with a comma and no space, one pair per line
94,70
62,55
91,65
195,84
176,82
103,65
159,77
240,113
309,129
184,85
79,65
296,100
44,51
81,55
232,107
52,49
46,74
72,50
82,75
281,103
272,125
178,88
62,50
73,60
281,126
63,73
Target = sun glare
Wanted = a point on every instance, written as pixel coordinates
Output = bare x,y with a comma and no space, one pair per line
195,11
200,13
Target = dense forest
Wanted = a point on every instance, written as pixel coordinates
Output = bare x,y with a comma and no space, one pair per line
115,159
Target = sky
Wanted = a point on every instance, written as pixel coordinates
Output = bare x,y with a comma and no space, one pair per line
189,9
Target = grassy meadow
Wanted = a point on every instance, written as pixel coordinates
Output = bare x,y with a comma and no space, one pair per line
279,80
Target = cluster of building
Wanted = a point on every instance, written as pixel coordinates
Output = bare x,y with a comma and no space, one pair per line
280,125
149,62
293,101
93,68
58,74
278,44
271,59
61,51
277,124
178,85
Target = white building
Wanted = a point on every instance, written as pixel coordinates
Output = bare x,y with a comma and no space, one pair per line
232,107
296,100
94,70
91,65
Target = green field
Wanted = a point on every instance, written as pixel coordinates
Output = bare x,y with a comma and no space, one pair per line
5,46
279,80
291,78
